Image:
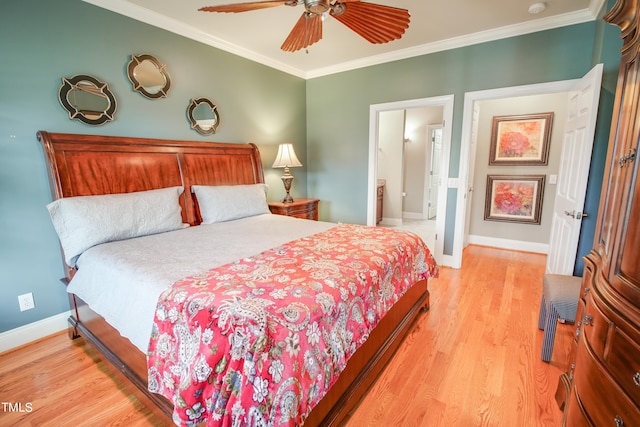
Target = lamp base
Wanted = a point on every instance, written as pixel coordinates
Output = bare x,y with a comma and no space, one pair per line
287,178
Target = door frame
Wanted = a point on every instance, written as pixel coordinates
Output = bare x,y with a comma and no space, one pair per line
470,98
427,176
446,102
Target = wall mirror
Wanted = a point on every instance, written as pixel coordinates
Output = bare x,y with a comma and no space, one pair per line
148,76
203,116
87,99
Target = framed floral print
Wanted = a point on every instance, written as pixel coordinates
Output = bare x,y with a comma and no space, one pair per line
520,140
514,198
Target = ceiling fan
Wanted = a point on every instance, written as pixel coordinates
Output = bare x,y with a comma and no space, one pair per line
376,23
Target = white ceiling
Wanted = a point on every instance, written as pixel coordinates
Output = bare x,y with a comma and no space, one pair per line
436,25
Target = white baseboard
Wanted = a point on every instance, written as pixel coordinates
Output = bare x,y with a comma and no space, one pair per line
391,221
413,215
517,245
33,331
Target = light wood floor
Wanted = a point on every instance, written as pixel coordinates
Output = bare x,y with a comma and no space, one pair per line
472,360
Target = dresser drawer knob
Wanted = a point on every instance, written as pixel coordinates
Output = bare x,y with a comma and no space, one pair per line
636,379
628,158
619,421
573,367
588,320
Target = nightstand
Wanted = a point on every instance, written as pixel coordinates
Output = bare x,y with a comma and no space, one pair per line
299,208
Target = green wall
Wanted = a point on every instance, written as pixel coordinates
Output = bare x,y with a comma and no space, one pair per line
42,41
338,105
326,118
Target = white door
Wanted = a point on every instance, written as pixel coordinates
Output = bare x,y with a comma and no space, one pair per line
434,170
574,171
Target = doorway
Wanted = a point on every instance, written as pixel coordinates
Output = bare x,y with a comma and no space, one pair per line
466,191
407,177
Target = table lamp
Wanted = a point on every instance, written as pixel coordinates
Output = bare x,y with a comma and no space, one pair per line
286,158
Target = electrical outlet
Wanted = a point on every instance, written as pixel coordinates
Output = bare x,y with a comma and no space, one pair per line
26,301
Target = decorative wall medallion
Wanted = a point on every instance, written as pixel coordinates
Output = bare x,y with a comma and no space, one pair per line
87,99
148,76
203,116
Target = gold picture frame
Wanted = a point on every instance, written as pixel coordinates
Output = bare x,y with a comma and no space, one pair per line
521,139
514,198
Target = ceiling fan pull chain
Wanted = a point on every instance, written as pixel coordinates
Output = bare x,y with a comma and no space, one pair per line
306,34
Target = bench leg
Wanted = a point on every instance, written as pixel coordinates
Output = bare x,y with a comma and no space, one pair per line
549,333
542,318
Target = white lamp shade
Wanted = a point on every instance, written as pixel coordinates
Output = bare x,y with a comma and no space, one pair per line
286,157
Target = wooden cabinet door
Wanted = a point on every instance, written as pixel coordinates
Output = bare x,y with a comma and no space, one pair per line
618,230
625,273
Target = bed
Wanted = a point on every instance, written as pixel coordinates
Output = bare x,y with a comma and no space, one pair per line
194,175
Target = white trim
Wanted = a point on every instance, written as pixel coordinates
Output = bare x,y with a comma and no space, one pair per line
33,331
516,245
391,222
142,14
139,13
446,102
447,261
558,21
413,215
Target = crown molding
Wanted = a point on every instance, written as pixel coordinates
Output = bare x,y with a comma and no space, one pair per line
585,15
124,7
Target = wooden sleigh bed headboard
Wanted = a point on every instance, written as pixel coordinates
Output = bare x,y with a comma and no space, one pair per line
87,165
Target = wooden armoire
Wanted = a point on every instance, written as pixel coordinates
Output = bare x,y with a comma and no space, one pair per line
603,385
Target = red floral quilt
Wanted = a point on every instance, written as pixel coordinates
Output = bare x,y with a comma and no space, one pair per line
259,342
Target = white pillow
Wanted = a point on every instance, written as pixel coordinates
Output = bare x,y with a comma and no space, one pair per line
85,221
228,202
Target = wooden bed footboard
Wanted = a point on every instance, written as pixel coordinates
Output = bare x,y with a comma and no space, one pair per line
363,368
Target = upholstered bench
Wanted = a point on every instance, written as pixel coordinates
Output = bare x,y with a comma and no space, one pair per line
560,295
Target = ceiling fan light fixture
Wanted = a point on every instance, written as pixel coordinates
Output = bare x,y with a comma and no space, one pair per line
317,6
338,9
376,23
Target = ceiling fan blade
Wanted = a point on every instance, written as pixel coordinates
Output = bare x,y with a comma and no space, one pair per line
306,32
245,7
376,23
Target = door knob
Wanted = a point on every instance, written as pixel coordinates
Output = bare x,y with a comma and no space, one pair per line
576,215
